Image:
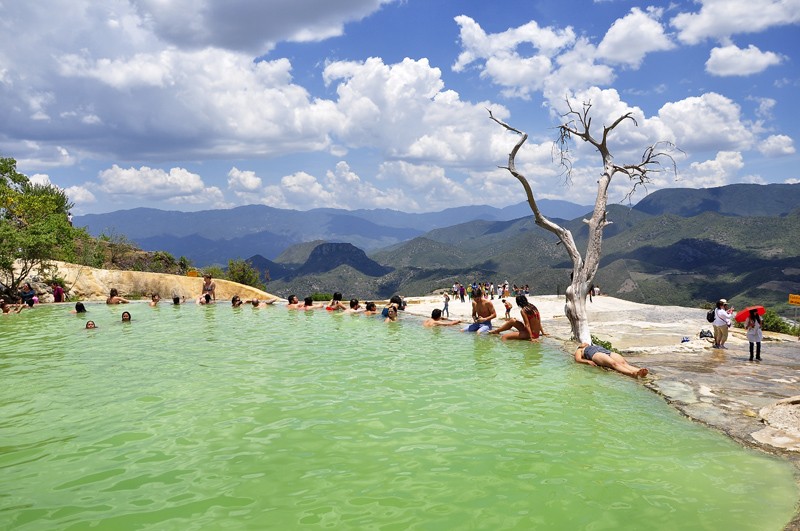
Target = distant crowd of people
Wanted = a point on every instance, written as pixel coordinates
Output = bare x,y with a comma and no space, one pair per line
464,292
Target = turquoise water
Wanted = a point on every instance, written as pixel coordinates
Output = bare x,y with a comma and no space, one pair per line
214,418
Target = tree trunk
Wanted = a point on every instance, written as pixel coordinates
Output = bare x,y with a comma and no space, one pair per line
575,310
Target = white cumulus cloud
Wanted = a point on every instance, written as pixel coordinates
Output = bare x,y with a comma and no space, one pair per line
734,61
632,37
719,19
777,145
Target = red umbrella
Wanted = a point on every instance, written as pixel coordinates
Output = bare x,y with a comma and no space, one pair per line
742,315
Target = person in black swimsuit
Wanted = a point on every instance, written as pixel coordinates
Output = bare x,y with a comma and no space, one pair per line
601,357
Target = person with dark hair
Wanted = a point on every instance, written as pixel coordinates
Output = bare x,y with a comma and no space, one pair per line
90,325
58,292
176,301
390,313
204,299
114,298
437,320
154,298
258,303
9,309
529,328
355,307
507,306
308,304
336,303
754,332
126,317
602,357
236,301
370,308
482,313
209,287
79,308
399,302
28,294
395,302
293,303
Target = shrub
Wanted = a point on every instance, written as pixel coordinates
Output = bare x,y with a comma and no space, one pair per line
243,272
604,344
775,323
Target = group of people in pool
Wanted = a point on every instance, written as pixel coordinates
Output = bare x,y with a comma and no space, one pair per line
527,328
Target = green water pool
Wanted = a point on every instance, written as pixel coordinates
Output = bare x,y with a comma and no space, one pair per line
218,418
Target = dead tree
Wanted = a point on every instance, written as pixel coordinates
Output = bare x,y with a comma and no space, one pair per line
577,125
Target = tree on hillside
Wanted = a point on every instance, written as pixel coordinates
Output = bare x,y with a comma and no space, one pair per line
34,228
243,272
577,125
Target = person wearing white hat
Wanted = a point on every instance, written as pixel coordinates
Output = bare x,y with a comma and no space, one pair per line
722,321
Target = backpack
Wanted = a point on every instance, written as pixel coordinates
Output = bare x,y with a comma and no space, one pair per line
711,315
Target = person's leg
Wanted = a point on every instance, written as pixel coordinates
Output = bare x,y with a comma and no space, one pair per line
758,351
484,328
521,335
723,336
618,363
751,351
717,335
508,325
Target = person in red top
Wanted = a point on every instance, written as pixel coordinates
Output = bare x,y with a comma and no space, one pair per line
58,293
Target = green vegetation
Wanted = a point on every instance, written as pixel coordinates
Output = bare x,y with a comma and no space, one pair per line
605,344
775,323
34,228
243,272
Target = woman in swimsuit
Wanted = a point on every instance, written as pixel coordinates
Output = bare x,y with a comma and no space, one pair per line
529,328
209,287
336,303
601,357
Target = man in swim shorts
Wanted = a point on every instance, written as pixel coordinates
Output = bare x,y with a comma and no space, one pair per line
482,313
601,357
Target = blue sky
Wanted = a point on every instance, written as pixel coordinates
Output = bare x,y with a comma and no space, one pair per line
198,104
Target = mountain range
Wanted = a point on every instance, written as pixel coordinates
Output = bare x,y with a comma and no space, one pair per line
214,236
677,246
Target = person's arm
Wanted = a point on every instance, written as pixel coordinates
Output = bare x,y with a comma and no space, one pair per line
475,316
539,324
579,355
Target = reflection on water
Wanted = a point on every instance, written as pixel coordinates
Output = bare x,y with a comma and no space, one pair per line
213,417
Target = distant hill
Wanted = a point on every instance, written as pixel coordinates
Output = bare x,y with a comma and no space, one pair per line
328,256
732,200
297,254
268,270
215,236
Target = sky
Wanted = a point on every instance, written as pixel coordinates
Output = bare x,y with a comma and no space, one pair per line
203,104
